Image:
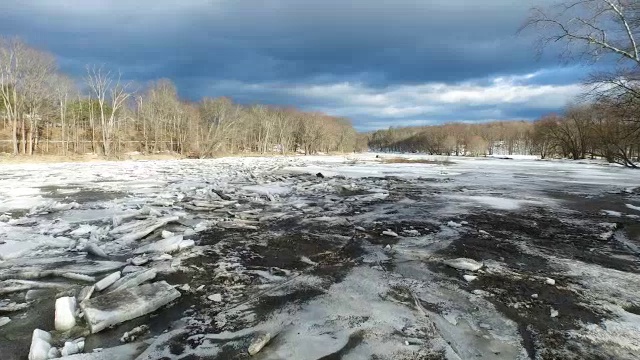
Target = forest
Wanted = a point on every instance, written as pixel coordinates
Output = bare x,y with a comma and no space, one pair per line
601,129
43,111
604,122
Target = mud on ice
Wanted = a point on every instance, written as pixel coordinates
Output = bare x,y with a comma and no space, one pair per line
342,257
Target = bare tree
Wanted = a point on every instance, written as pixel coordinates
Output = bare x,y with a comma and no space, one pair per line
24,80
39,103
37,91
12,53
590,28
617,131
543,138
219,116
110,94
477,146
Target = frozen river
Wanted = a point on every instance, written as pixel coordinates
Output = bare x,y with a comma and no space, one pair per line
327,257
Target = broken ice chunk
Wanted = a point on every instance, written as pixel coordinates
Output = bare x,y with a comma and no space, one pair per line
119,219
133,279
464,264
139,260
95,250
54,353
10,249
612,213
70,348
152,211
4,321
633,207
389,233
134,333
34,294
143,228
306,260
162,257
12,306
80,277
131,269
411,232
215,297
606,235
167,245
79,343
86,293
126,304
185,244
481,292
469,278
40,345
65,313
107,281
454,224
258,343
83,230
122,352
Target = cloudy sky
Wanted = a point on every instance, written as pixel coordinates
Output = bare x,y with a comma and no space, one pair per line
379,62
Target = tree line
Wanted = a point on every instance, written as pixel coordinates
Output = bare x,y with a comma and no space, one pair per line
44,111
499,137
604,124
599,129
608,123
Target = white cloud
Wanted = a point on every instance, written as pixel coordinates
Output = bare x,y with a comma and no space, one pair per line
472,101
506,92
408,100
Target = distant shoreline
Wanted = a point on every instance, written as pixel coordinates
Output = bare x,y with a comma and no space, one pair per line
77,158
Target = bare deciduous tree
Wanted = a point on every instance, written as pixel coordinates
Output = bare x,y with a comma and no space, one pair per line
11,55
37,91
24,88
589,28
110,94
63,87
593,30
39,103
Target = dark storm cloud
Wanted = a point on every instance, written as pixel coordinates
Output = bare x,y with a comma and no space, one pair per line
274,51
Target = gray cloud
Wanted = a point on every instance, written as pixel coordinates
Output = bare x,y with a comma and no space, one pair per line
302,52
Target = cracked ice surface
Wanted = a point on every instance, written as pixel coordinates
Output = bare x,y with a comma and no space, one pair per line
305,259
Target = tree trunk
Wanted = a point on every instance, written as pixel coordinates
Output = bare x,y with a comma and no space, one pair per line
31,134
23,132
63,128
14,135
